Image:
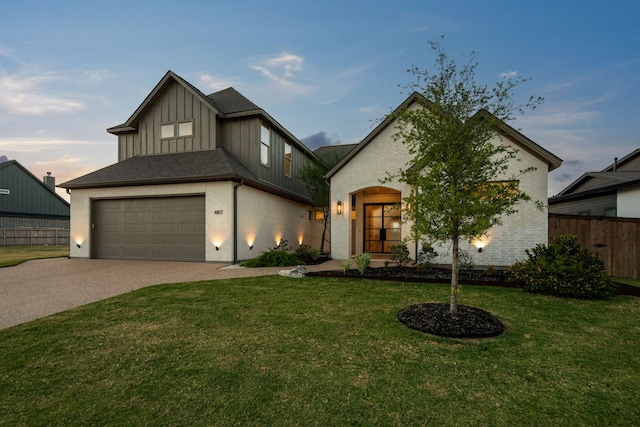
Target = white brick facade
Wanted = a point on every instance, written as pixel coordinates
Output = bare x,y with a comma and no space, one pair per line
382,155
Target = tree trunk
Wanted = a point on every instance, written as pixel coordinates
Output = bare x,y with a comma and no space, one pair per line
453,305
326,212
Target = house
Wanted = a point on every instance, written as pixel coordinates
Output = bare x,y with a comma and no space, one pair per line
614,191
367,215
198,178
28,202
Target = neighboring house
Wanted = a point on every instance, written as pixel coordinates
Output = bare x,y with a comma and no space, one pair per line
199,178
27,202
367,215
614,191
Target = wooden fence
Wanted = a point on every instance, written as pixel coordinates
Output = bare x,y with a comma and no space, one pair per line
33,236
616,240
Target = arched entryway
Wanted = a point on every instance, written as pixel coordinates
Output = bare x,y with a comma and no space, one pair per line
376,220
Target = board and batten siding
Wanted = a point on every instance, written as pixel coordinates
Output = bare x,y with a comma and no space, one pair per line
241,138
175,104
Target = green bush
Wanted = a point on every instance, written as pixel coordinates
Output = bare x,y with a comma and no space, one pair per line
563,268
307,254
363,261
345,265
273,258
400,254
427,255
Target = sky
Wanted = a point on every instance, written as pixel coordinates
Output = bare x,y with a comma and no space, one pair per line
328,71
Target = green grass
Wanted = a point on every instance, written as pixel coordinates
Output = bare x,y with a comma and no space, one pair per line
277,351
14,255
630,282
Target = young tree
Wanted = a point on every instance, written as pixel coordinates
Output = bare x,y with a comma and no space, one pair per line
313,177
456,166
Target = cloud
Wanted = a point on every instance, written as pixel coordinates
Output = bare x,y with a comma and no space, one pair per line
282,71
217,83
320,139
508,74
34,145
26,93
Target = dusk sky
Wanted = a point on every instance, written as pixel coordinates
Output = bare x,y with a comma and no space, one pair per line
326,70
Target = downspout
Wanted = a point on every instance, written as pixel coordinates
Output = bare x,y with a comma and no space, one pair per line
235,220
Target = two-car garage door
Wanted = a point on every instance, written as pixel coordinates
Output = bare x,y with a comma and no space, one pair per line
154,228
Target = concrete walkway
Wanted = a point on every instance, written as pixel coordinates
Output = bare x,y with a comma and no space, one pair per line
40,288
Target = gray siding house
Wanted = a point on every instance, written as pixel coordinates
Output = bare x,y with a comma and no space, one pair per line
199,178
28,202
614,191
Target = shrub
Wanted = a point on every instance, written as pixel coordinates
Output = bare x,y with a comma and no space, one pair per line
465,260
363,261
427,255
307,254
563,268
273,258
400,254
345,265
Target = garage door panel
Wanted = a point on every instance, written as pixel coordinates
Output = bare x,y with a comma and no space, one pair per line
171,228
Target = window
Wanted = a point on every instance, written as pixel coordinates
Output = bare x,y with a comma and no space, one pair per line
316,215
287,159
167,131
265,144
185,129
610,212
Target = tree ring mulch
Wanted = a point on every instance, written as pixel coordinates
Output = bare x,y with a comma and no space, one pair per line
435,319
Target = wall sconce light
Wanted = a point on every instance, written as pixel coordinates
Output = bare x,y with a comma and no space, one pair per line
78,245
217,247
250,247
339,208
479,244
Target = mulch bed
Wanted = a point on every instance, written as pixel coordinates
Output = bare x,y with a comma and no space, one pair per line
435,318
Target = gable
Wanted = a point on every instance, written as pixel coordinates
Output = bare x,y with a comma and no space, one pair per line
27,194
416,100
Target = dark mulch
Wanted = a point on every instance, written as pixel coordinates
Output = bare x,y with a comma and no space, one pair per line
435,319
443,275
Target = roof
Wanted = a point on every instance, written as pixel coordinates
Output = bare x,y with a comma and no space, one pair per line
230,101
41,186
552,160
226,104
609,180
185,167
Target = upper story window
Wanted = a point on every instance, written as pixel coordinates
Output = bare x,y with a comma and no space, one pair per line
265,144
167,131
287,159
185,128
180,129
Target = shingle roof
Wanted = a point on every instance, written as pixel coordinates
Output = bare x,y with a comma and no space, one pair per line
192,166
230,101
174,168
592,183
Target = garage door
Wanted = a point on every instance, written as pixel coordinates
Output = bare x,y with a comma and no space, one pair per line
161,228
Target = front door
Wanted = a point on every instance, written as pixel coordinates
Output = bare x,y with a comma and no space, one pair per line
381,227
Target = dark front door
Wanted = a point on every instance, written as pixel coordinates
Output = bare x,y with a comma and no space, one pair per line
381,227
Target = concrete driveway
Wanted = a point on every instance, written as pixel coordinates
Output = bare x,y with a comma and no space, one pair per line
40,288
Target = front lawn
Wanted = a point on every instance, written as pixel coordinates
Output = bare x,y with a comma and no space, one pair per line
14,255
317,351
